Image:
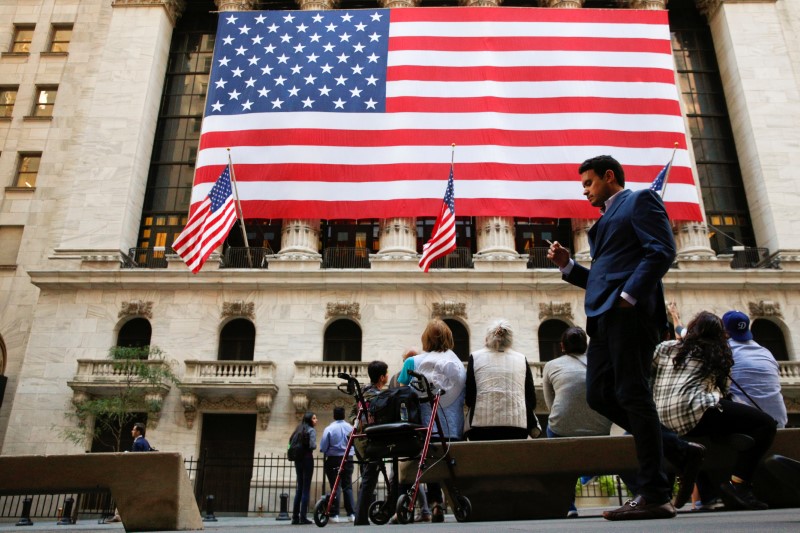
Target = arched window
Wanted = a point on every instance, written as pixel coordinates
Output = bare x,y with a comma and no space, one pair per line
237,341
550,332
769,335
342,341
460,338
135,333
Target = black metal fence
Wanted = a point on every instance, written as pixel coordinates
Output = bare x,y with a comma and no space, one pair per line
345,257
242,257
459,258
146,258
54,506
537,258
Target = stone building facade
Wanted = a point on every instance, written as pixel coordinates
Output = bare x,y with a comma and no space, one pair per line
75,272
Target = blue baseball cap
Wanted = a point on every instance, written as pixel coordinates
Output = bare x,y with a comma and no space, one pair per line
737,324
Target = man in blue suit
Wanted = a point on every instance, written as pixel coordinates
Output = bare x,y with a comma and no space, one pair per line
632,248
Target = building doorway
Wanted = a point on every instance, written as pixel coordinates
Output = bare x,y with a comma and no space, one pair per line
227,444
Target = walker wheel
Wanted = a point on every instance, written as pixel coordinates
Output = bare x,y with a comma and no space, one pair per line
321,511
377,514
404,516
463,508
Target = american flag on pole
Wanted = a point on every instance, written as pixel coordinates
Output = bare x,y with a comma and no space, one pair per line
443,238
351,113
658,183
208,224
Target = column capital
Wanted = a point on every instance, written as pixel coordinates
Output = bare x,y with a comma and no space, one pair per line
708,7
480,3
235,5
174,8
399,3
565,4
649,4
317,5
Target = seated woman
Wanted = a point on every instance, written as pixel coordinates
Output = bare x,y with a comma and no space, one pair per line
444,370
690,384
500,394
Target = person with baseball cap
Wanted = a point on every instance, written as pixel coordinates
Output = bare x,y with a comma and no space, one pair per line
755,374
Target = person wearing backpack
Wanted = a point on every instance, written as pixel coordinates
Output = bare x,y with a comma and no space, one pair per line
301,446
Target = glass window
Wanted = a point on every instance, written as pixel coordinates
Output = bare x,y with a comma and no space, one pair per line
237,341
342,341
28,169
550,332
178,130
720,175
135,333
8,95
60,38
45,101
23,35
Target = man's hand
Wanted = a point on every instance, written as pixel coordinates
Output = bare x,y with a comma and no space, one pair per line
558,254
622,302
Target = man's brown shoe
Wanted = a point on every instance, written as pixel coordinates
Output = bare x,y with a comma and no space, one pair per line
639,509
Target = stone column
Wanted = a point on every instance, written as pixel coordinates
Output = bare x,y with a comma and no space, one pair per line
235,5
495,235
648,4
580,226
566,4
105,168
398,235
300,237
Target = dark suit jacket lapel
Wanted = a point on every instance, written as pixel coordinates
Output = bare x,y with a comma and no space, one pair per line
606,220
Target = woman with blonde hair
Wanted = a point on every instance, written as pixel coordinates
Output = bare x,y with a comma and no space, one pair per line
500,393
444,370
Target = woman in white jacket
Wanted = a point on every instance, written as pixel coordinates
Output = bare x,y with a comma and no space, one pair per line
500,394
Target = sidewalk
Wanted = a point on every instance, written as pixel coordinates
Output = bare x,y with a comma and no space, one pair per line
774,521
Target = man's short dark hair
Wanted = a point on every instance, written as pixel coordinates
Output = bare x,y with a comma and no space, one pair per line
140,428
574,340
602,163
338,413
376,370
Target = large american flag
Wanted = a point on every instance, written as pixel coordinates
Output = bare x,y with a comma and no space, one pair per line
443,237
352,113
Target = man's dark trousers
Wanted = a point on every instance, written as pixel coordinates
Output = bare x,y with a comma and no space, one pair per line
332,463
619,359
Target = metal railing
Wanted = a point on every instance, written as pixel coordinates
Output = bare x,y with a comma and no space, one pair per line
146,257
344,257
460,258
94,504
242,257
537,258
749,257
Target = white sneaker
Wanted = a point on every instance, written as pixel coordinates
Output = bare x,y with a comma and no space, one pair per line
335,519
351,517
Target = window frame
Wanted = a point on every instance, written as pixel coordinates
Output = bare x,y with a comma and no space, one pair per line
50,106
9,107
18,175
52,42
17,42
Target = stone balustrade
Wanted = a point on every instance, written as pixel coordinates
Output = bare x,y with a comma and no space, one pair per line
229,372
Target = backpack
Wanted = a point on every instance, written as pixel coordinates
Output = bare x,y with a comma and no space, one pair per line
298,445
395,405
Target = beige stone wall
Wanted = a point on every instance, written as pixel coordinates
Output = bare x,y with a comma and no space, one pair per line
758,51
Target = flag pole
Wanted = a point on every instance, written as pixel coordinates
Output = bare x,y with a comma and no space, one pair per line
239,209
669,169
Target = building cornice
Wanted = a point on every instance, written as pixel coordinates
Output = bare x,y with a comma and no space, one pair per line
722,278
